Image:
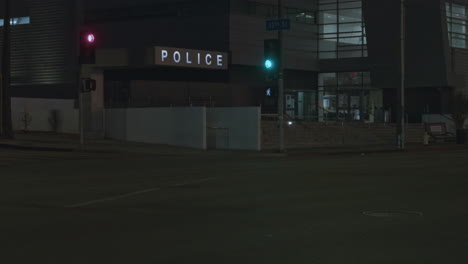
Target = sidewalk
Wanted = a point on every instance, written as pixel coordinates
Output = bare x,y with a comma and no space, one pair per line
42,141
373,149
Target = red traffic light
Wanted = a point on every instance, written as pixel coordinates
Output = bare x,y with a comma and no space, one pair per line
87,48
90,38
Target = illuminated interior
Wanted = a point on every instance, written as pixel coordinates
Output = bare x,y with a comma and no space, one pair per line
17,21
341,30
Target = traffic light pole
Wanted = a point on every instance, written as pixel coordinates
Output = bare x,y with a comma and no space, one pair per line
79,23
280,84
5,96
81,109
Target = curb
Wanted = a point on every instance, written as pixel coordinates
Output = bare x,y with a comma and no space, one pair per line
439,149
57,149
36,148
380,151
342,153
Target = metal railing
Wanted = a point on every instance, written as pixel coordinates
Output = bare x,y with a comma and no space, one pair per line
208,102
338,117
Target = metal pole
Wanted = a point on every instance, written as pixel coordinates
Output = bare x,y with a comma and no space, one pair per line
6,122
78,24
280,84
1,106
81,110
402,92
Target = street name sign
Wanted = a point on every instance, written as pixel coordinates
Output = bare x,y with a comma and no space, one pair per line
278,24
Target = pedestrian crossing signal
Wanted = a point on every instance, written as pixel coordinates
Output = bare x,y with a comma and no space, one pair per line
271,58
89,85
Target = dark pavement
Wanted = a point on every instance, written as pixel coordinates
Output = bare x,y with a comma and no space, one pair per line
227,207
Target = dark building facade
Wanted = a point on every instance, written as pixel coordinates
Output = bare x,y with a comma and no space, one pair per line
342,58
235,27
43,55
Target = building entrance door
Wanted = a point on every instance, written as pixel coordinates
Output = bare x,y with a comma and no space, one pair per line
350,105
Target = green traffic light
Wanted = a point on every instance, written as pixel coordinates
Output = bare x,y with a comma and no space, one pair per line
268,64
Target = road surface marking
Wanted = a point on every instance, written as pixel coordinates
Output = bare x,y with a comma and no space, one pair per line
191,182
113,198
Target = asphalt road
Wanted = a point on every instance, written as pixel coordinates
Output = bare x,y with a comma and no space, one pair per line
114,208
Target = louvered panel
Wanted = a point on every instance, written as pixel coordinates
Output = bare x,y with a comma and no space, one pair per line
41,50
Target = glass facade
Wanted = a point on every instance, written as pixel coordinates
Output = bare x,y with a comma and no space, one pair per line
301,105
342,32
457,21
341,97
348,96
265,10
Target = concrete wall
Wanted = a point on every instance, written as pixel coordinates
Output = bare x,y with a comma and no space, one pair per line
234,128
247,33
458,70
39,111
184,127
116,124
424,25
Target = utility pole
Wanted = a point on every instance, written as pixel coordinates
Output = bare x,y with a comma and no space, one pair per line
5,103
78,25
81,110
402,134
280,84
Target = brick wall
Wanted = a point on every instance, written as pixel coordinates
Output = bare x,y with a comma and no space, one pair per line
315,134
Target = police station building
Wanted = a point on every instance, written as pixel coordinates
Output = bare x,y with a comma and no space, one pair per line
341,57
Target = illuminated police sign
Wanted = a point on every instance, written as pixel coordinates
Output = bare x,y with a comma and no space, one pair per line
191,58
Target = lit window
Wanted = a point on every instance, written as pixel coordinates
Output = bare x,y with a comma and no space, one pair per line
17,21
349,96
457,22
271,11
342,31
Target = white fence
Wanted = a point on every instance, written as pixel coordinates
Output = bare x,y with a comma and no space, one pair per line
36,115
236,128
172,126
194,127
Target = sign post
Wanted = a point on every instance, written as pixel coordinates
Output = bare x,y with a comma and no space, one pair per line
86,85
5,103
280,24
81,102
402,126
